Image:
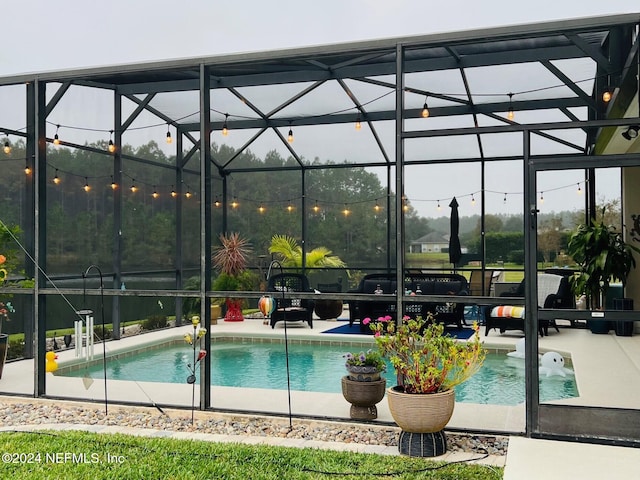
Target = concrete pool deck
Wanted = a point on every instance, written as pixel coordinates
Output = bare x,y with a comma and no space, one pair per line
607,372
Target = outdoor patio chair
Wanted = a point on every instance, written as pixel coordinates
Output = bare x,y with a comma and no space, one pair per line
552,292
290,309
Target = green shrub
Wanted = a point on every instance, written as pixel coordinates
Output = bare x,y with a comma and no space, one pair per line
155,322
15,349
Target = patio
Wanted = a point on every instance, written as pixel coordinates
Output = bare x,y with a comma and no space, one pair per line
607,369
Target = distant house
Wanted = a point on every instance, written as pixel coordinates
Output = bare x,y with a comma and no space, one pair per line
433,242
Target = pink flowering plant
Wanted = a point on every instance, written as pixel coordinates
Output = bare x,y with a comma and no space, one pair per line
424,357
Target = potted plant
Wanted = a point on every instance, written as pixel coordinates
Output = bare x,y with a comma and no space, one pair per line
230,258
603,256
429,364
362,387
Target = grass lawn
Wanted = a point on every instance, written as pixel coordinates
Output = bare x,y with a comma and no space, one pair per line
81,455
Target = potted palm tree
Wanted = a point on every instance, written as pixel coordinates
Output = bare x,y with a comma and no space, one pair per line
289,253
603,257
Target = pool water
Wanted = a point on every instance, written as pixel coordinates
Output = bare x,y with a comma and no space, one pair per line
314,368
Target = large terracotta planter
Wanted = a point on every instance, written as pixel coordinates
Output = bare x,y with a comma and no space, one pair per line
216,313
421,413
363,397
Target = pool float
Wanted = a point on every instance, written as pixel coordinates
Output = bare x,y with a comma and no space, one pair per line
552,363
50,364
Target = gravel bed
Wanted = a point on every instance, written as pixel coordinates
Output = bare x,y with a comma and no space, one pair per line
14,412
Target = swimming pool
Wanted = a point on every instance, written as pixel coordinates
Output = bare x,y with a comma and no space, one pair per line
314,368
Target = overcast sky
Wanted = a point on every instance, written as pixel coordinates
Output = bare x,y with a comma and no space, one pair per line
41,35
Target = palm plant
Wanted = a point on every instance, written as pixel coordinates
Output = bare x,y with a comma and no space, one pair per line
290,254
603,256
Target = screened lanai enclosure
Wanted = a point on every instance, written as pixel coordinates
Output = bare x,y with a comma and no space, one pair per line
117,182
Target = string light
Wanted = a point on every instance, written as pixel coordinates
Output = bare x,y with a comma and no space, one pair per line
289,207
217,203
155,193
188,194
261,208
377,206
579,190
133,188
7,147
290,135
425,108
234,204
316,208
86,187
473,200
27,168
358,124
173,192
346,210
541,197
56,178
504,200
56,138
225,129
114,185
439,207
606,95
111,147
169,139
510,114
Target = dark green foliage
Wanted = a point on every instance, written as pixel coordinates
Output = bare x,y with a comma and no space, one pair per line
155,322
15,349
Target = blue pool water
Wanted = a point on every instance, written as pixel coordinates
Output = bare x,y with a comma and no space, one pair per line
315,368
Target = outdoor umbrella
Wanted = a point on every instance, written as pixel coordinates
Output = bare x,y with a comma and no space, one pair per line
455,253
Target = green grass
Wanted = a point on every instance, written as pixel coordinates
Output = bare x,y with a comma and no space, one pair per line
111,456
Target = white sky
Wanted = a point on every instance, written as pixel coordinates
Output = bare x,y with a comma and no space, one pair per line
41,35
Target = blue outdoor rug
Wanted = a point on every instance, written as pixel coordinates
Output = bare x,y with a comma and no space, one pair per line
462,334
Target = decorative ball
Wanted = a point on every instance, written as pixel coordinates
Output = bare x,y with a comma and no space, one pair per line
267,305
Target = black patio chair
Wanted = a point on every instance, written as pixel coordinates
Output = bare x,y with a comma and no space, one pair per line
290,309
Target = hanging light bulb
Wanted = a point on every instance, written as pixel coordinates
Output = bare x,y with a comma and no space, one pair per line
425,108
606,95
56,178
261,208
111,147
234,204
7,147
188,194
225,129
346,210
376,207
217,203
510,113
316,208
133,188
56,138
358,124
155,193
504,200
86,187
290,135
439,207
579,190
114,185
289,207
173,192
27,169
541,197
169,139
473,200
